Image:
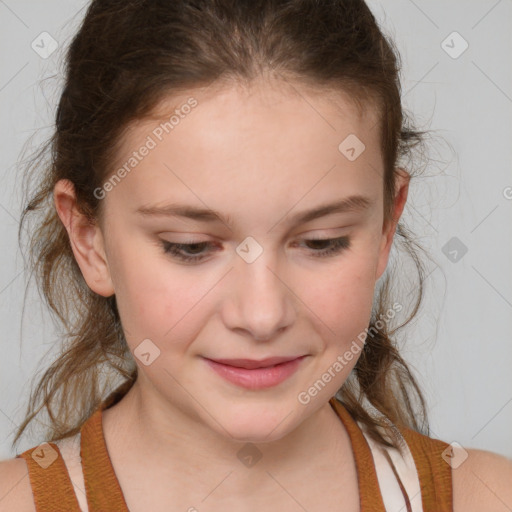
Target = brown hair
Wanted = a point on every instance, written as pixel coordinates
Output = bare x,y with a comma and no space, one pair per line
126,57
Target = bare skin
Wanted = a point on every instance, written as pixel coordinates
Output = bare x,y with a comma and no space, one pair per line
260,156
328,478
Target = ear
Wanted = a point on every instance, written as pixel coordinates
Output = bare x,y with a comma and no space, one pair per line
86,239
389,227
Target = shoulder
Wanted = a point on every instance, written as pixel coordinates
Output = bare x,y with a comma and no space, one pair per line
15,489
483,481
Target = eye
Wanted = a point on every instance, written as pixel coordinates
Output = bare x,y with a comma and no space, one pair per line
194,252
334,246
176,250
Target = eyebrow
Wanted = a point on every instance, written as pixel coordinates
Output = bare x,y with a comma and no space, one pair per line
354,203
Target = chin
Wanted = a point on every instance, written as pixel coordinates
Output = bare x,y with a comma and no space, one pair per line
265,434
254,427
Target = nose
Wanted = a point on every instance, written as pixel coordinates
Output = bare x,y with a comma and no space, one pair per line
260,301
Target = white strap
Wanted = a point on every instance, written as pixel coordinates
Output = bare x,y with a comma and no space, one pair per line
392,496
70,450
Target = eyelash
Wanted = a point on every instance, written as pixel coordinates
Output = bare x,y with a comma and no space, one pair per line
339,245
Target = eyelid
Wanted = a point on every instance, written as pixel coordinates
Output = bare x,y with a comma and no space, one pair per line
345,238
187,238
323,233
329,231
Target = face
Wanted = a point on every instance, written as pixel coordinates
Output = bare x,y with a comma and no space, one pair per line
259,279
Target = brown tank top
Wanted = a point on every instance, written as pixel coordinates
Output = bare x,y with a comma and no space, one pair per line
53,490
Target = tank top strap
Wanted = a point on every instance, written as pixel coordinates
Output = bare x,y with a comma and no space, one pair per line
370,498
101,485
434,471
417,472
49,478
397,474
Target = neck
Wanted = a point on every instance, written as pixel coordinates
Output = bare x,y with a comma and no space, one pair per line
173,442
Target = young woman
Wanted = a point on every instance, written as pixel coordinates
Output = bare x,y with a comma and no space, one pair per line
225,188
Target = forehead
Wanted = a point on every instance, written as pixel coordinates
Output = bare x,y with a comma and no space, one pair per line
272,137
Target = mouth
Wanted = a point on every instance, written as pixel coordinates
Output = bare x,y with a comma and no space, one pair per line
252,374
252,364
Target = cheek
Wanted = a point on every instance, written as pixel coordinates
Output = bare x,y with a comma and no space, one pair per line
144,298
162,302
342,305
343,296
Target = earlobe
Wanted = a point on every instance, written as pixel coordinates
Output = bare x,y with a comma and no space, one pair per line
86,240
389,228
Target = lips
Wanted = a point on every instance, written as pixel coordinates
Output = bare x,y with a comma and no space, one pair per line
256,375
251,364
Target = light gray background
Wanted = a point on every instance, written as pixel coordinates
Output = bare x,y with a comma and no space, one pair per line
461,347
